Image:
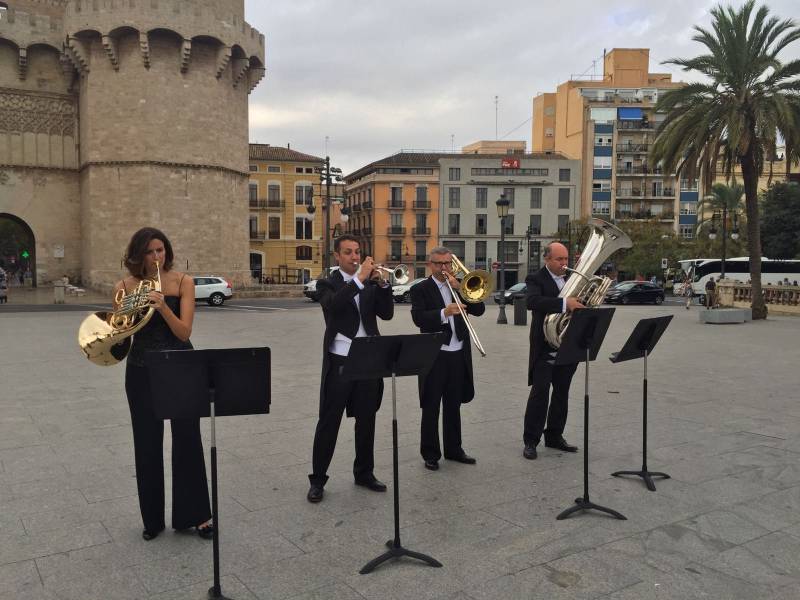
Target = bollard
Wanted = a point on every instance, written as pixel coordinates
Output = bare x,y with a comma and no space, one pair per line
58,291
520,311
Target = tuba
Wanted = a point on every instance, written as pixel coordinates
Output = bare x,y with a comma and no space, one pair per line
105,337
590,289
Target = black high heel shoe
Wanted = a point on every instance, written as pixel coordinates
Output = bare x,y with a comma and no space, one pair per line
205,531
148,535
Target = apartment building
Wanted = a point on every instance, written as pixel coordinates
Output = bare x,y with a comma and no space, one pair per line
285,237
609,123
394,207
544,191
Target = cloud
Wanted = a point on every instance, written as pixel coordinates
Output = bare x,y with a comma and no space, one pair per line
376,77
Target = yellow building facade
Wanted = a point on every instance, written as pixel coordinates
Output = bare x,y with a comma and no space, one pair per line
285,238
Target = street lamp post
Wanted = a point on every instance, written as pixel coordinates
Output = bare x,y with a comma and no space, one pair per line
327,174
528,236
502,212
712,234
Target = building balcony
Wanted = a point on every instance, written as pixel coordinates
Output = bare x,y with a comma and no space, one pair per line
258,236
634,125
634,193
638,170
367,205
395,231
366,231
423,231
643,215
356,207
633,148
397,205
354,231
269,203
422,204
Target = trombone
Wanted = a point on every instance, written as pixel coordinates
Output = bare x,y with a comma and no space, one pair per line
476,286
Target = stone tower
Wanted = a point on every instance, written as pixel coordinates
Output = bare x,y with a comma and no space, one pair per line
154,125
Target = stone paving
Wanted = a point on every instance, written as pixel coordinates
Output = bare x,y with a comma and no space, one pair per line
724,421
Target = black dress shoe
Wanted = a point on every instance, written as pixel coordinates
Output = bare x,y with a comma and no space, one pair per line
148,535
529,452
315,493
372,484
432,465
462,458
561,444
205,531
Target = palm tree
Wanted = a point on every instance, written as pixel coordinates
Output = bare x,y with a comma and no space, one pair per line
723,198
736,118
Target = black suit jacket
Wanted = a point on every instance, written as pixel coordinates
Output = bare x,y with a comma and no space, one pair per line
338,301
426,311
542,299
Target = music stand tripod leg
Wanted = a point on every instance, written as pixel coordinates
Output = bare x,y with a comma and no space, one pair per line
584,503
647,476
396,549
215,592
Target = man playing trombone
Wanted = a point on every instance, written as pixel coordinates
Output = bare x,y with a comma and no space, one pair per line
449,382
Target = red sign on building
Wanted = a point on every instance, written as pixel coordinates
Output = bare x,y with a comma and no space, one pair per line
509,163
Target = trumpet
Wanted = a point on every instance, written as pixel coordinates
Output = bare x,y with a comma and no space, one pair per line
400,274
476,286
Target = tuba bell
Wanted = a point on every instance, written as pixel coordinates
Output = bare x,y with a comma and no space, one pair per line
105,337
588,288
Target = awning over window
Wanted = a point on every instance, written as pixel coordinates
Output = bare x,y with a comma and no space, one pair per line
633,114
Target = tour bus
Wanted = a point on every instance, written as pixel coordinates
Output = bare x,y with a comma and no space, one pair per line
738,269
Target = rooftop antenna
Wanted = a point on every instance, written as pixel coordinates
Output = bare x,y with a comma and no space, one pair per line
452,142
326,145
496,102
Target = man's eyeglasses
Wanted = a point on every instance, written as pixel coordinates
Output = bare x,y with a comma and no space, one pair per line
440,263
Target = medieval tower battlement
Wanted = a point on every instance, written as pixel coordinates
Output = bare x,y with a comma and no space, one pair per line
116,114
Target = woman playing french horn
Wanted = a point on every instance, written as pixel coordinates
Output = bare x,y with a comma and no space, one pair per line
149,256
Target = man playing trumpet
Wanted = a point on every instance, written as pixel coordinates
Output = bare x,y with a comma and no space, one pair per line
449,382
351,299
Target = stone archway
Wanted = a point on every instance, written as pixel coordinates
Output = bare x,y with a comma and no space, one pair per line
17,250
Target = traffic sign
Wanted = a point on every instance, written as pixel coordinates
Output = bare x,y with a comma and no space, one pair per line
495,265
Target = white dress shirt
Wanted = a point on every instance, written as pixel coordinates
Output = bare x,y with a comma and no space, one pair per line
560,281
341,343
455,344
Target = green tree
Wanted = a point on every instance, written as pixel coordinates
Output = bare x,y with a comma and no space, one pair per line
780,226
750,98
651,243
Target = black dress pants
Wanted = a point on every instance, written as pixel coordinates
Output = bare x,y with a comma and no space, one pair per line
542,405
362,397
443,385
190,505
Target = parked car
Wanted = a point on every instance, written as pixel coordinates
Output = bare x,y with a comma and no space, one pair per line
635,292
214,290
402,293
310,289
515,291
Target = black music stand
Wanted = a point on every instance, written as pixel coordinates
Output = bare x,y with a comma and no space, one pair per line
393,356
640,344
210,383
581,343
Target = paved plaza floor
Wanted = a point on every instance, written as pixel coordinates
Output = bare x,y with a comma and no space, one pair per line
724,418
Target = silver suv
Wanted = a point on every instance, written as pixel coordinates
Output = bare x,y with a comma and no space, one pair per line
214,290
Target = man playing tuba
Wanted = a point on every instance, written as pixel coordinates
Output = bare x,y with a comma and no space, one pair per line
543,291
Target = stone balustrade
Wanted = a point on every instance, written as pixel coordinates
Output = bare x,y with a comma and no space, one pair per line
780,299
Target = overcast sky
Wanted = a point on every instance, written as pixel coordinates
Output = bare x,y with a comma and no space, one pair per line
375,76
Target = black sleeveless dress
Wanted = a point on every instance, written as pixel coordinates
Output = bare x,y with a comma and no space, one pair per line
190,504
